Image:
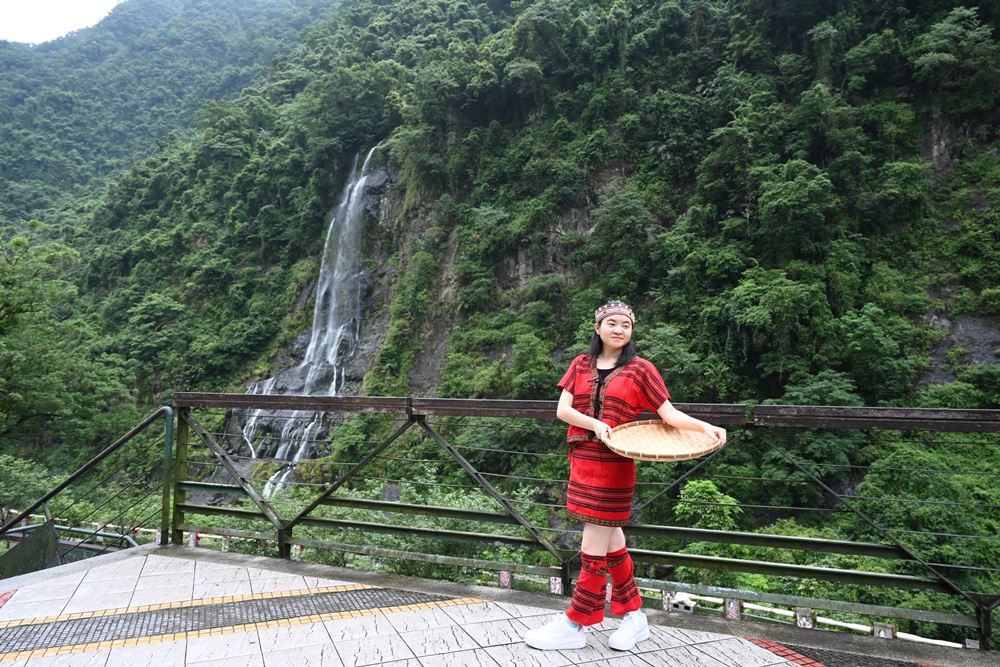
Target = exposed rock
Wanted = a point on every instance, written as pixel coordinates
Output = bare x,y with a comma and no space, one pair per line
941,142
435,335
978,336
382,205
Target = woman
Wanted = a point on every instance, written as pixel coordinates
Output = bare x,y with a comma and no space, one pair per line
607,386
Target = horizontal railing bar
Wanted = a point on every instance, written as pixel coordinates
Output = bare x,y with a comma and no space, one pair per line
916,501
936,419
210,487
426,510
785,570
425,533
461,407
366,404
212,510
900,419
671,532
813,603
537,570
772,541
726,413
228,532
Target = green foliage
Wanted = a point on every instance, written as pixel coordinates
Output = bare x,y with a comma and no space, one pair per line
56,390
80,109
21,483
959,63
702,505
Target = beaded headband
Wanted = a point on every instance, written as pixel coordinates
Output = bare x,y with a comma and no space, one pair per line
614,308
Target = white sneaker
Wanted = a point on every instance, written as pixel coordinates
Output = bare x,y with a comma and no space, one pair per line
557,633
633,629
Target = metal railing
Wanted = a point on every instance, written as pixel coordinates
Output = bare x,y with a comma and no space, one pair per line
433,482
124,488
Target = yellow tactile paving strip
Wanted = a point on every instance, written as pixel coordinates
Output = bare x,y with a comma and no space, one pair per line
181,605
226,630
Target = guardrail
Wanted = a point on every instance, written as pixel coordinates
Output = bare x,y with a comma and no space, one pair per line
127,484
428,481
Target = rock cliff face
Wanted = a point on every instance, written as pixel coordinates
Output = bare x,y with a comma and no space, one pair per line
393,235
382,205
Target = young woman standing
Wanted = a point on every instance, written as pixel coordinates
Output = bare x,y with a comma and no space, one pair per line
607,386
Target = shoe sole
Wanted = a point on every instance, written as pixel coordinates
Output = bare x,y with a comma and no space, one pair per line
556,647
629,647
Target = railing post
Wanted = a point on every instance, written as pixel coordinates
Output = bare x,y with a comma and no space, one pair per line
984,616
567,581
284,546
168,455
180,474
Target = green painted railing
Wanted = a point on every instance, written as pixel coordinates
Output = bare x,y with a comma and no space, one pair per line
126,485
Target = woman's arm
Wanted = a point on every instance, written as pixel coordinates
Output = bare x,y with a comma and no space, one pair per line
567,413
678,419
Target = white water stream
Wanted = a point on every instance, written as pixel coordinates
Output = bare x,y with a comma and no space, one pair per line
291,435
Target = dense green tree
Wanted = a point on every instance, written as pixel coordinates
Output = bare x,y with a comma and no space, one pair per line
59,398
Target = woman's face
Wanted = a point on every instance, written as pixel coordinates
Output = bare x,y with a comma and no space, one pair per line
615,332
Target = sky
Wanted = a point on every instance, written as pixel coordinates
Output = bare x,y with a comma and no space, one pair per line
37,21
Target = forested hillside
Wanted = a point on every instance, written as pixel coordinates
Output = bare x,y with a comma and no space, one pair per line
78,109
792,196
795,198
74,114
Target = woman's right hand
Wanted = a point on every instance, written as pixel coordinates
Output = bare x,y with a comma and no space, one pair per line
602,431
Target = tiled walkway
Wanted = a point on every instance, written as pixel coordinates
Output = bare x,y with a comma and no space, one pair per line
176,606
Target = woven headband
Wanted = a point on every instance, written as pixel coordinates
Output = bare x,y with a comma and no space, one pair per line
614,308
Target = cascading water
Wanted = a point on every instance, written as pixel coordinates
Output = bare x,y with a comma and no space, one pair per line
336,323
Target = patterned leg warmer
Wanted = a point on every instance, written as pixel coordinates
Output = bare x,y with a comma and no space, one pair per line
590,594
624,594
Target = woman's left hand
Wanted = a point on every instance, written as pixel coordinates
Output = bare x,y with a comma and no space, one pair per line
716,433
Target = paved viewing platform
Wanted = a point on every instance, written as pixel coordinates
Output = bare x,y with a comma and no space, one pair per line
168,606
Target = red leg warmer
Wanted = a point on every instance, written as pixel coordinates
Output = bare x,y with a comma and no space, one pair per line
624,594
590,594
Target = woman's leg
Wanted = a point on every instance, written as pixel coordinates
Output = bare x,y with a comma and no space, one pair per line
625,599
617,542
589,595
624,593
591,591
598,539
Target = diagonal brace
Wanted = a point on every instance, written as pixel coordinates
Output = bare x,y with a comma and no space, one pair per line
902,547
490,489
350,473
237,474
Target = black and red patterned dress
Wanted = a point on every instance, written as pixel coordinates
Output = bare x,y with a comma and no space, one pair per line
602,483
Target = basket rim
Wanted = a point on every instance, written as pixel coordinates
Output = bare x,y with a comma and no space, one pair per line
663,451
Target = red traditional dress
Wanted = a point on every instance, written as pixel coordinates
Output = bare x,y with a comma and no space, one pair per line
602,483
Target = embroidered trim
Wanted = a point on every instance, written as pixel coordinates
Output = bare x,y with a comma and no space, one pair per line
615,562
600,522
596,381
594,564
614,308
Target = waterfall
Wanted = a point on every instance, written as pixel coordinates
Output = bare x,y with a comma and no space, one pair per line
335,329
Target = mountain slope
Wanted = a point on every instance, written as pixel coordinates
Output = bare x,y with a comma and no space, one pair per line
78,109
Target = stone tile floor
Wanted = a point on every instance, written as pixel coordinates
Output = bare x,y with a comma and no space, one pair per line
455,627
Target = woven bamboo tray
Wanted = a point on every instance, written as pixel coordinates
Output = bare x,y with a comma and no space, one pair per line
655,440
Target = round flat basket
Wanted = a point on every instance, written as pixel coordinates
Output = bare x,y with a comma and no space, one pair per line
655,440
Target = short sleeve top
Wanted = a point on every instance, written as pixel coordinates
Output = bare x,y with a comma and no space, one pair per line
627,391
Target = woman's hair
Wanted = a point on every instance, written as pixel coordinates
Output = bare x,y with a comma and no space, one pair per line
628,352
